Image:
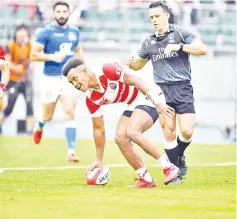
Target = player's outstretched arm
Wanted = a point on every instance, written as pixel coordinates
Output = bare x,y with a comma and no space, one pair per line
136,63
153,93
99,138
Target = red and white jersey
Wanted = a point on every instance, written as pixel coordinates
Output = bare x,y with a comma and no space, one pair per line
3,56
112,90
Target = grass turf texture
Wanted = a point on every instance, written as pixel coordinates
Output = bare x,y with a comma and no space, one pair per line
208,192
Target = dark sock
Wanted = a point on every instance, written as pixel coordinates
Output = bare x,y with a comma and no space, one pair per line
182,146
173,155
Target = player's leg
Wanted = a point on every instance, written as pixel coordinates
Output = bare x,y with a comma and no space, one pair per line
186,124
13,93
143,118
49,97
186,116
170,143
129,152
169,125
68,99
28,95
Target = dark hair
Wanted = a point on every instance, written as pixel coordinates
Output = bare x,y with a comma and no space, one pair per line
161,4
71,63
20,27
60,3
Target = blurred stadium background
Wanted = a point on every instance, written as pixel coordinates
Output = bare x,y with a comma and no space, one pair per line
114,30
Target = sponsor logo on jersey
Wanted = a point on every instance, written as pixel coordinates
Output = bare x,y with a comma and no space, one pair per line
104,101
162,55
58,34
171,38
65,49
113,86
72,36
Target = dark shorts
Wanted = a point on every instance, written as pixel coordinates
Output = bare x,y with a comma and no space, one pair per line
151,111
179,96
14,90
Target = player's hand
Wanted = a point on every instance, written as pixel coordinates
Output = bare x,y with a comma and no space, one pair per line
98,163
58,57
165,110
130,61
171,48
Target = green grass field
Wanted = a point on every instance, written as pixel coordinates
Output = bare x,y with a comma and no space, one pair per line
207,193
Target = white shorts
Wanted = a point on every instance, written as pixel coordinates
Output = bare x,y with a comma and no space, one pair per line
139,101
54,86
142,104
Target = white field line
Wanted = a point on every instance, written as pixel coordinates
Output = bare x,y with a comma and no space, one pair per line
112,165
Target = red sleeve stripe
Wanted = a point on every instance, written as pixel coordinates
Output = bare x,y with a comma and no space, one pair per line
92,107
135,93
125,93
119,93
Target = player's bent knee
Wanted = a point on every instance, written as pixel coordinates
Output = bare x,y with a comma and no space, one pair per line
169,135
187,133
133,135
120,139
69,113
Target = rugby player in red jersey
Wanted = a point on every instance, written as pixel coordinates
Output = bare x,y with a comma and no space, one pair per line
115,85
5,73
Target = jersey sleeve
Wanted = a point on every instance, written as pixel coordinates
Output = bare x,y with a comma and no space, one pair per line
94,109
3,56
187,36
42,36
113,71
143,53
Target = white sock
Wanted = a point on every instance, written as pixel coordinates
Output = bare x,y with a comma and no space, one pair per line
144,174
168,145
185,140
71,151
164,162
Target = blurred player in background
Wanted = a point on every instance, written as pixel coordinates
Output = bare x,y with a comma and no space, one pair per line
4,76
229,131
18,52
115,85
169,48
55,44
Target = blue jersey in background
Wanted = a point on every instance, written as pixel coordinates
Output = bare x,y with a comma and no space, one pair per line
58,40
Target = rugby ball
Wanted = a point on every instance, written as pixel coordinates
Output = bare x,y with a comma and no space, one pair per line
98,176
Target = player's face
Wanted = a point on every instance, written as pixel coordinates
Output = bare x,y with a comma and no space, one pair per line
159,18
22,36
61,14
79,79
